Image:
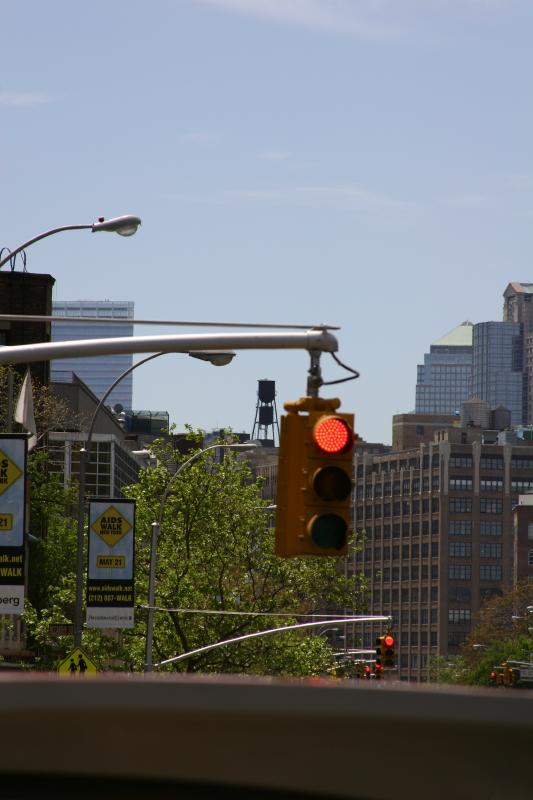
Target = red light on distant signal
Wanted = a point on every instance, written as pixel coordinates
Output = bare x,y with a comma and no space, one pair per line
333,435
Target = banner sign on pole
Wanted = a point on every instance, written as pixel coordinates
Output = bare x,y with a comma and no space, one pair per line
13,453
111,561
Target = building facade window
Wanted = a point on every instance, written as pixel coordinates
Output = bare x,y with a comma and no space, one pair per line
459,616
460,505
458,594
521,486
460,527
491,462
491,550
460,572
460,484
490,572
460,550
522,462
458,461
490,527
491,485
490,505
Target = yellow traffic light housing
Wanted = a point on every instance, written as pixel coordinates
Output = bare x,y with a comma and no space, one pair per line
314,479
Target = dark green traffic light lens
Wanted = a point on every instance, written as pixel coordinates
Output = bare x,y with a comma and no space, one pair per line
332,483
328,531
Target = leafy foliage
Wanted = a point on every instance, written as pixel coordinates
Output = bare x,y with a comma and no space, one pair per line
502,632
216,552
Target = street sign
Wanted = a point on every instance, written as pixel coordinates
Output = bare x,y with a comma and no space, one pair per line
77,663
61,629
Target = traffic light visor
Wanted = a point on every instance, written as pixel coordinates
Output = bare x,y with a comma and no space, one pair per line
333,435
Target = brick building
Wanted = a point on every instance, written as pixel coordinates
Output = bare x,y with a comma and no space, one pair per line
435,525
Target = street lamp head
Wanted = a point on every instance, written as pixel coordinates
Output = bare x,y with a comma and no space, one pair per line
251,444
218,358
125,226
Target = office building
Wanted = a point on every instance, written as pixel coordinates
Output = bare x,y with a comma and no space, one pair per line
497,375
435,525
518,308
444,379
98,372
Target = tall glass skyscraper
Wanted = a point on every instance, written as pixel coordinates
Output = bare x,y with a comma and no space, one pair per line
444,380
497,367
98,372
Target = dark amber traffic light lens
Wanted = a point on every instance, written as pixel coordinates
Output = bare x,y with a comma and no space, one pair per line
333,435
332,483
328,531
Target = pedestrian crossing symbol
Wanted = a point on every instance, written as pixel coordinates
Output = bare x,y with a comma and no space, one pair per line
77,663
111,526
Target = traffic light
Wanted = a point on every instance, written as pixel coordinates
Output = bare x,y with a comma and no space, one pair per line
387,651
379,652
314,479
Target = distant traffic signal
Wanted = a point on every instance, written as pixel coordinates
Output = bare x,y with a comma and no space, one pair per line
379,652
388,656
314,479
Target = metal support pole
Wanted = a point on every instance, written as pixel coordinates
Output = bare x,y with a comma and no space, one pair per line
151,598
314,379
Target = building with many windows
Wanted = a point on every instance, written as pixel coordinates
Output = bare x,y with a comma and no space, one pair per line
98,372
497,375
444,379
435,526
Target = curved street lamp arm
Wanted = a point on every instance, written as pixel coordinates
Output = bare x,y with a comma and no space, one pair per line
175,475
110,389
42,236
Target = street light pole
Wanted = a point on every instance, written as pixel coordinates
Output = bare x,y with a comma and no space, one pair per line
156,529
125,226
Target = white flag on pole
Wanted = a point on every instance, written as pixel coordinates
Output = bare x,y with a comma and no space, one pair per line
24,410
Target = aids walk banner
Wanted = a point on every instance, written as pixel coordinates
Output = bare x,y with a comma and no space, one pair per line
111,563
13,453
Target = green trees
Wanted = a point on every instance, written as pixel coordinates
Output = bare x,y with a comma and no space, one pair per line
502,632
215,554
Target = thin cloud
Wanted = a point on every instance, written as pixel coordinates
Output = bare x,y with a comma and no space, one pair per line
24,99
198,137
365,19
349,197
368,20
274,155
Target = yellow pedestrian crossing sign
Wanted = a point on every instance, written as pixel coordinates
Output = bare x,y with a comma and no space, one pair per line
77,663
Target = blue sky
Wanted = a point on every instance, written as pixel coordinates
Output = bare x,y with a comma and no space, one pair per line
364,163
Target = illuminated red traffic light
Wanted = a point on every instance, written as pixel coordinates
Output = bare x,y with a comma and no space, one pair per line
333,435
389,640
